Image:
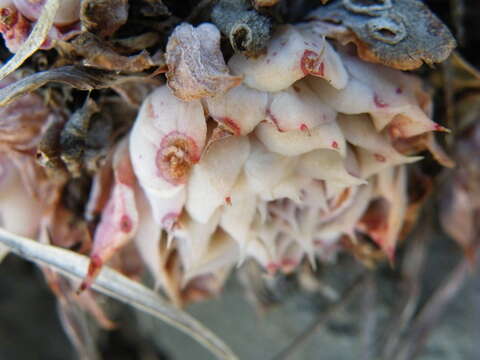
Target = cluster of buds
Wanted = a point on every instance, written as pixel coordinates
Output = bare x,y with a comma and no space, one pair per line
17,18
301,160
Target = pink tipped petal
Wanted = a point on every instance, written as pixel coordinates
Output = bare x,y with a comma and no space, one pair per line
298,108
292,53
230,110
389,96
360,131
213,178
297,142
289,57
119,218
373,163
237,218
267,72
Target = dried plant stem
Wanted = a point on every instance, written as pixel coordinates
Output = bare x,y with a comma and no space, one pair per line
412,268
429,315
35,39
117,286
345,298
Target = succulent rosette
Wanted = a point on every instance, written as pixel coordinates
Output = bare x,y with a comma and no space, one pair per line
299,162
291,154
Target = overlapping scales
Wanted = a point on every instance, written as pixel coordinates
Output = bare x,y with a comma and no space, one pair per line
307,155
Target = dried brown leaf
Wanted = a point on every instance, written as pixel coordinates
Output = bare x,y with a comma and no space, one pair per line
196,67
401,34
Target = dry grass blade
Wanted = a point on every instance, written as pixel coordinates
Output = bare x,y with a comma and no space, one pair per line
412,267
82,78
35,39
420,330
117,286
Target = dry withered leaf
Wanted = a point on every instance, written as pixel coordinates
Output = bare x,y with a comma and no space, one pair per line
103,17
73,137
100,54
402,34
196,67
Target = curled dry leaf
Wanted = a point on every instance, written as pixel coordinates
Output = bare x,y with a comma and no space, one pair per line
400,34
196,68
99,53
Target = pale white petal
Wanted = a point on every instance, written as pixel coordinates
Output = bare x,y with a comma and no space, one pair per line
239,110
213,178
297,142
326,165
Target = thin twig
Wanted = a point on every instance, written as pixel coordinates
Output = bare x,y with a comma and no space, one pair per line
369,308
412,268
420,330
345,298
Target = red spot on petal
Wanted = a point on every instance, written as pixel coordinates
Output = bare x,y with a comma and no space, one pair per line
230,124
150,111
305,128
438,127
272,268
274,120
126,224
228,200
288,264
94,268
379,102
379,157
334,145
